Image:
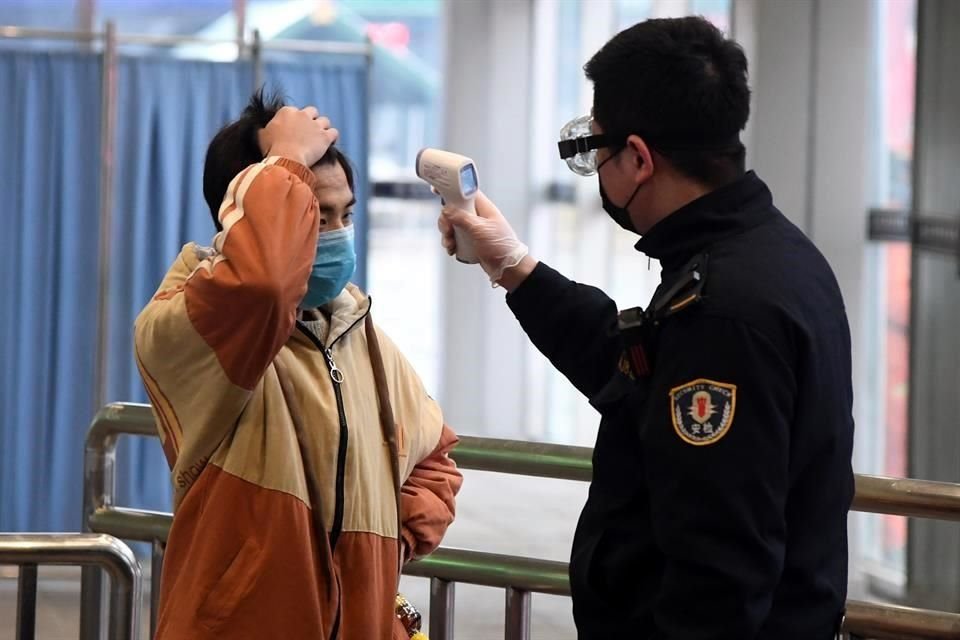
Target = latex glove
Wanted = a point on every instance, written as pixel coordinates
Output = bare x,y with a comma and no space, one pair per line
493,238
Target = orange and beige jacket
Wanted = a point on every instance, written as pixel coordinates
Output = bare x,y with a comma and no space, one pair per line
286,519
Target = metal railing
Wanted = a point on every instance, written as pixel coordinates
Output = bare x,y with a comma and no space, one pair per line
519,577
103,551
99,489
243,41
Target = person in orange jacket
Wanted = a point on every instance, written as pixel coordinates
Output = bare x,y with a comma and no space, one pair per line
308,461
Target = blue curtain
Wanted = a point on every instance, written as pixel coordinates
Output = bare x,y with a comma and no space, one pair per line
168,110
49,214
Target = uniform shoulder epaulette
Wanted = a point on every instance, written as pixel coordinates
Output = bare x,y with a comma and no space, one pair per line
684,292
635,326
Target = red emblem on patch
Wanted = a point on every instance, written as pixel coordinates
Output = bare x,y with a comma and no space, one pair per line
702,410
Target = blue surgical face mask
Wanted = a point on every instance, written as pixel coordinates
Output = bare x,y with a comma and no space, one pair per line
333,267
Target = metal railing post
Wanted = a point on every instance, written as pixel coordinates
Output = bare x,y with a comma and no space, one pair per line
99,486
99,489
92,581
84,550
326,47
108,129
27,602
125,599
256,58
442,603
517,616
240,12
156,569
521,577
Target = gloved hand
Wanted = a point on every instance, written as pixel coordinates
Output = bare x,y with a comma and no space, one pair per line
493,238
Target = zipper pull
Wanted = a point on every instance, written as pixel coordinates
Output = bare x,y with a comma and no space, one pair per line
335,374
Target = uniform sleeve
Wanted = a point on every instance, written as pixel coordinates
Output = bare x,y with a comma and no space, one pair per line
716,449
571,324
428,498
204,341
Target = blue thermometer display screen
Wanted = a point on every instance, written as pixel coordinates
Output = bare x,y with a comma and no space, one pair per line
468,180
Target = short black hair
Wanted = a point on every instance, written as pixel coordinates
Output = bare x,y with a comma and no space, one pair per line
681,85
236,147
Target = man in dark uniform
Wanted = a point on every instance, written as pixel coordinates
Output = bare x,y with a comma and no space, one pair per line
721,473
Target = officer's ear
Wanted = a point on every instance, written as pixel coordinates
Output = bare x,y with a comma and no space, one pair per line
640,158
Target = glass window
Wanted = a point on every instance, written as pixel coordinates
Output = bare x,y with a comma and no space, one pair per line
56,15
205,18
888,283
404,110
568,229
630,12
716,11
45,14
404,87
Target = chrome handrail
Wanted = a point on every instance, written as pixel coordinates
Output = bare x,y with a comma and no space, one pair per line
14,32
99,488
521,576
874,494
518,457
71,549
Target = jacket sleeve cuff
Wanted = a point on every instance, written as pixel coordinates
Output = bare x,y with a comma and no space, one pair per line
529,299
294,167
407,543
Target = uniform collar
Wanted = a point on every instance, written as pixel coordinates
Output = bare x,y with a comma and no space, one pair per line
726,211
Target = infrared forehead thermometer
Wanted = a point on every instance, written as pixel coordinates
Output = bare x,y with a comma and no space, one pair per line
454,177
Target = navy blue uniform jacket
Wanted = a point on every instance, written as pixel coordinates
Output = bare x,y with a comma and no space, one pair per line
722,480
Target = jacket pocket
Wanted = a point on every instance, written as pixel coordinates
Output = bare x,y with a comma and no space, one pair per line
614,567
403,451
232,588
403,446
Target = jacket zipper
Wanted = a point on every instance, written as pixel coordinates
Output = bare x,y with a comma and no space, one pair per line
336,378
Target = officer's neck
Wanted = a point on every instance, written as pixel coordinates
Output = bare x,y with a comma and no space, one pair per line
663,197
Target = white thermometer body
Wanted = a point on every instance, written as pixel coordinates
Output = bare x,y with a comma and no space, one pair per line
455,178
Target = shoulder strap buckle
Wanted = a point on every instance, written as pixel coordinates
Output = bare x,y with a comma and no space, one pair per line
687,290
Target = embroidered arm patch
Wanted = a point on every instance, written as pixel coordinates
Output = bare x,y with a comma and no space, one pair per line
702,410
